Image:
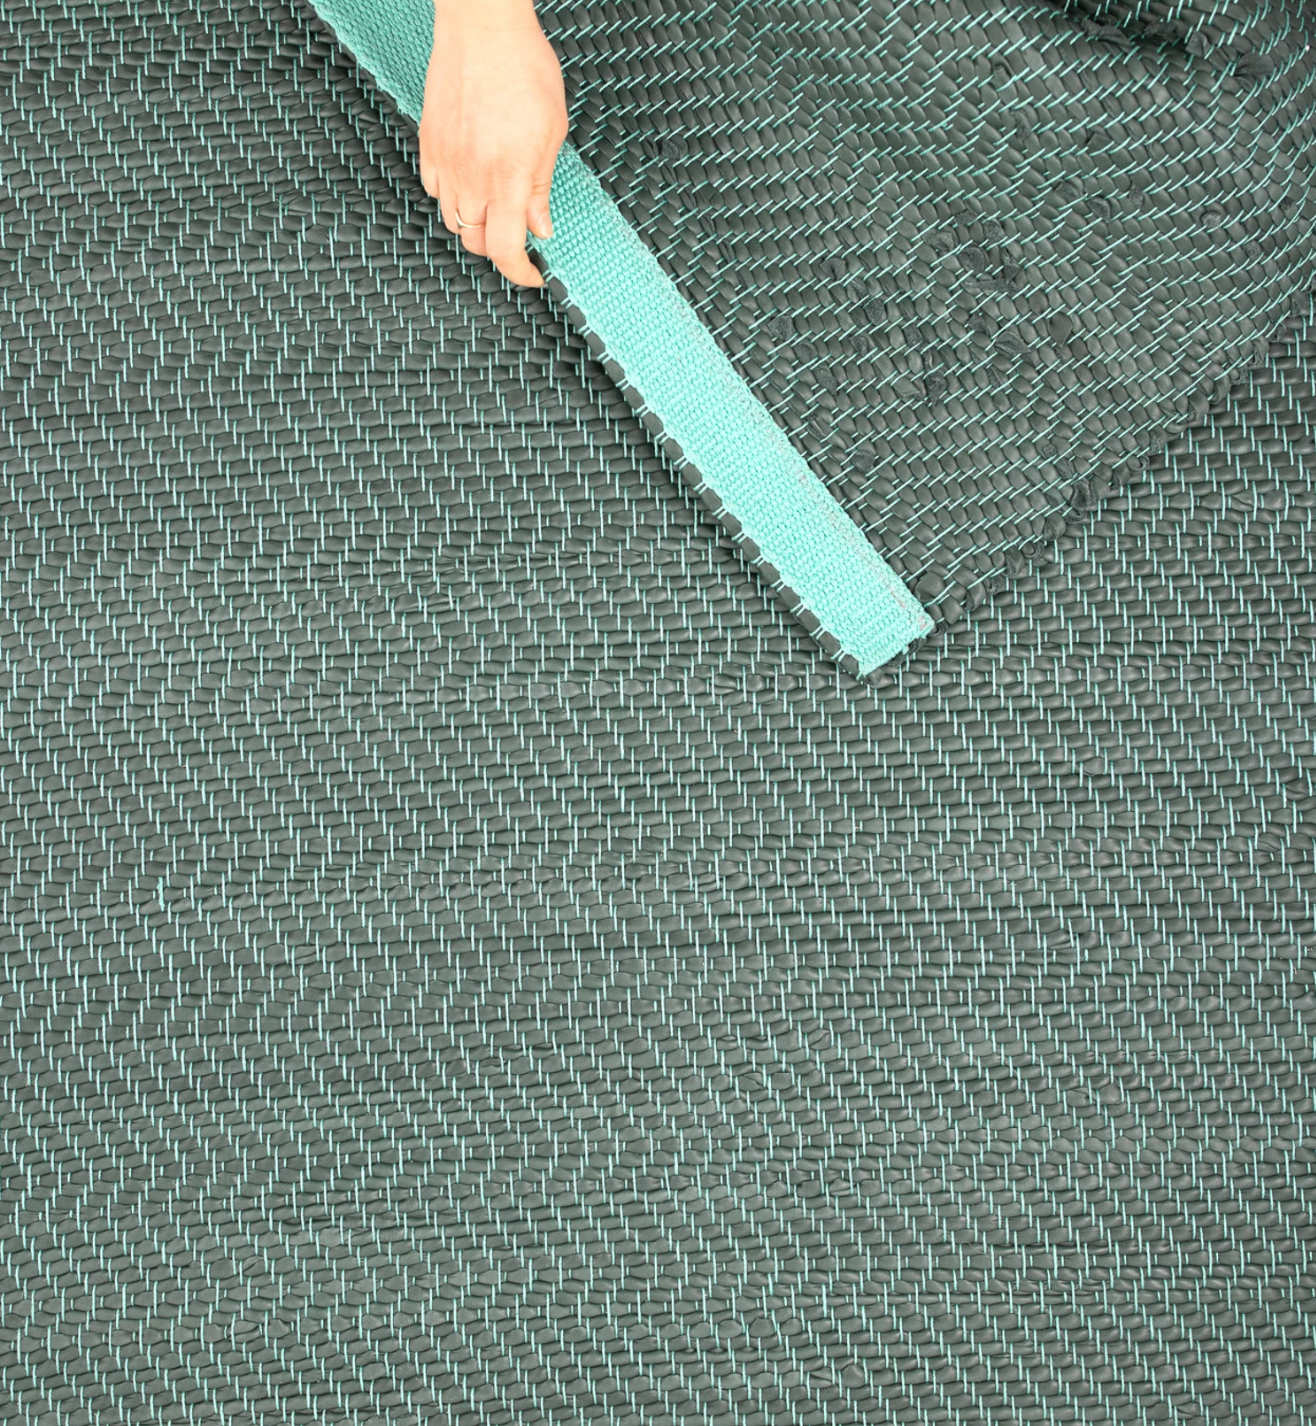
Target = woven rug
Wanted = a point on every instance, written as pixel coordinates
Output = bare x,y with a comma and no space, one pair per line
466,957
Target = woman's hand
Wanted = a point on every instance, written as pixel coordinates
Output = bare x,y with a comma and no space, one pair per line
494,119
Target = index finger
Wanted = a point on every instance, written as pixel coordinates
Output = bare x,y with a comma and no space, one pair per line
504,235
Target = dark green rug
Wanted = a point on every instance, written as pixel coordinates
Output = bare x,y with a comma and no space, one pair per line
467,957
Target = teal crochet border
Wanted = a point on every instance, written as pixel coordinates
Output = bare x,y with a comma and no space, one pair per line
688,394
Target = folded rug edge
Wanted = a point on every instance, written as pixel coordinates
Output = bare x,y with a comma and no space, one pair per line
790,529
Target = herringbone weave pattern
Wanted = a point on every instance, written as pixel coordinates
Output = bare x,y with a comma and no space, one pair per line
465,956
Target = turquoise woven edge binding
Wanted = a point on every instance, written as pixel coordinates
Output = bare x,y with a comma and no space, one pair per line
688,394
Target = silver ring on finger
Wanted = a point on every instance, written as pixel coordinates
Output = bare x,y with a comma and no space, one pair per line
461,224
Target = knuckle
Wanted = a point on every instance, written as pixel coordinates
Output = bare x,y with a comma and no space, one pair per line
505,190
509,169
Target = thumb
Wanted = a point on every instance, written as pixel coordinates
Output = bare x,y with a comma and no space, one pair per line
541,222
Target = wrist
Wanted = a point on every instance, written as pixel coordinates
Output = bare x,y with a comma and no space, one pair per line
484,14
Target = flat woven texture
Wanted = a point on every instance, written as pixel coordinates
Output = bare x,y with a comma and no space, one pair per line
465,957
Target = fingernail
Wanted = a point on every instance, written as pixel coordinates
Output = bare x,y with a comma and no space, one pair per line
548,229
